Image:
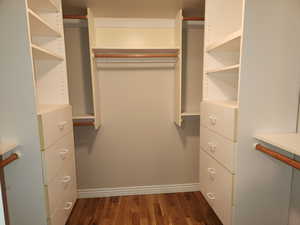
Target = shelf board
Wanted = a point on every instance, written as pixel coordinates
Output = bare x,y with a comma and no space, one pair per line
39,27
186,114
231,42
289,142
224,69
6,147
43,54
44,5
227,103
45,108
99,50
84,117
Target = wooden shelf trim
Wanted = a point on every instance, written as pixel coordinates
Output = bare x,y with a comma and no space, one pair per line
75,17
9,160
136,55
195,18
295,164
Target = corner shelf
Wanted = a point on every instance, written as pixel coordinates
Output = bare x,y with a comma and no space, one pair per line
226,103
84,117
6,147
45,108
39,27
43,54
186,114
231,42
45,5
224,69
289,142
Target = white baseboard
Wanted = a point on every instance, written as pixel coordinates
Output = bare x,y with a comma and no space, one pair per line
140,190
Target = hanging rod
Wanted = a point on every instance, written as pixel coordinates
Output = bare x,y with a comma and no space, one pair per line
74,17
83,124
9,160
135,56
278,156
193,19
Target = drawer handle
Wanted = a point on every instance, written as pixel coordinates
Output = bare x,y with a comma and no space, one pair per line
68,205
210,196
213,120
62,125
66,179
63,153
212,147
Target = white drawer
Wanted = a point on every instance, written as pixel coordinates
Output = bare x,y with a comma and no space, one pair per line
222,149
219,118
218,183
54,125
57,155
59,188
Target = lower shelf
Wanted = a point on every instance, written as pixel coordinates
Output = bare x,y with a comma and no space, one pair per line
185,114
84,117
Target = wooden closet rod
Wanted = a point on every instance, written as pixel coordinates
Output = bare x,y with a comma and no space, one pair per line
135,56
9,160
193,19
75,17
278,156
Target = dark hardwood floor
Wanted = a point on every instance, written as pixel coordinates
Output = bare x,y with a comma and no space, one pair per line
163,209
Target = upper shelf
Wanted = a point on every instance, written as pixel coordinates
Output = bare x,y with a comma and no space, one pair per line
39,27
44,5
289,142
43,54
224,69
6,147
231,42
135,50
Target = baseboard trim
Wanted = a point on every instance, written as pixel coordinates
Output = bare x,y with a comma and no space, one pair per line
121,191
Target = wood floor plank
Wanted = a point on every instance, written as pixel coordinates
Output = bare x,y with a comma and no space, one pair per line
163,209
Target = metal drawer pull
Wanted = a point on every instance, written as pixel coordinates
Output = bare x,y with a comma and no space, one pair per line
66,179
63,153
62,125
68,205
210,196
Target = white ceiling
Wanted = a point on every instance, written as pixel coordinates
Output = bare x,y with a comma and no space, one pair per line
137,8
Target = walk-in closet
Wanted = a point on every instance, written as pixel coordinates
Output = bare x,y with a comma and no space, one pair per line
175,112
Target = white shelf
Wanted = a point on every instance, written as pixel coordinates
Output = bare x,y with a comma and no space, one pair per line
186,114
6,147
230,43
39,27
43,109
84,117
289,142
43,54
98,50
229,104
224,69
44,5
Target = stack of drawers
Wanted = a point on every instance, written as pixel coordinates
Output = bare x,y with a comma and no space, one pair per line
56,133
217,156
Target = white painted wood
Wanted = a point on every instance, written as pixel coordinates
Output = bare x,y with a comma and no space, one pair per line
133,23
43,5
219,118
190,114
178,70
225,69
97,50
94,77
219,148
219,190
228,43
39,53
54,158
139,190
39,27
289,142
7,147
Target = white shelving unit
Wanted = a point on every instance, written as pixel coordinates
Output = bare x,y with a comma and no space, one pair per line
7,147
289,142
228,43
44,54
43,5
225,69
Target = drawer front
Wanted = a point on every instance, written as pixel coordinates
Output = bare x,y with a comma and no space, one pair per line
222,149
220,119
57,155
59,188
54,125
219,185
